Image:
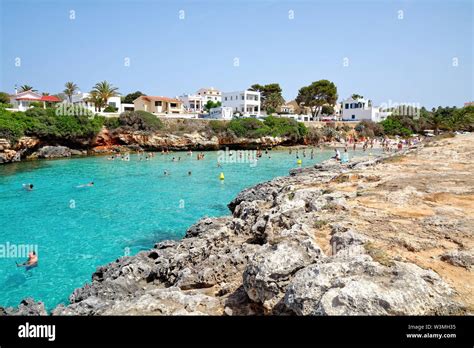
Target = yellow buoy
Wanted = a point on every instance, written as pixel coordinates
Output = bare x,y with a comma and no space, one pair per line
299,161
221,176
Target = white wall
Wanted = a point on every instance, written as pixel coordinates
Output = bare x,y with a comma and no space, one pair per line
241,101
80,98
192,103
209,94
223,113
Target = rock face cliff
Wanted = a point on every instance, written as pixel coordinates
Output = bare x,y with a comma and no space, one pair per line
377,236
122,140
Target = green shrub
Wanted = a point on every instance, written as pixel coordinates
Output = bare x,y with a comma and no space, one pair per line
5,105
4,98
246,127
111,122
140,120
46,124
393,126
218,126
110,108
36,104
285,127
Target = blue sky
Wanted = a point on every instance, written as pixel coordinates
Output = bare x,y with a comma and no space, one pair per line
402,60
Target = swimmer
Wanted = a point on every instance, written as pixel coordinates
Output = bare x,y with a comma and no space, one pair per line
31,262
166,173
189,173
337,156
28,187
86,185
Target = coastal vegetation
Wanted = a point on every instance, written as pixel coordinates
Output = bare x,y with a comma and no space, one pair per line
271,97
47,124
101,92
211,104
140,121
70,89
129,98
316,95
4,98
254,128
448,119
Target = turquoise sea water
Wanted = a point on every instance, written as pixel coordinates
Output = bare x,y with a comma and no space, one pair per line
131,206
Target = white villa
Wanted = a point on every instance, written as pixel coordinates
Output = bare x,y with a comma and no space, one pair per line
21,101
192,103
81,98
361,109
209,94
246,103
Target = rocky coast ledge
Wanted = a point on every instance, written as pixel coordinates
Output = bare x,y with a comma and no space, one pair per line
390,235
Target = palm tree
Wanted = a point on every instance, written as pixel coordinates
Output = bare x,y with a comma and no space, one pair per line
95,99
103,91
45,93
26,88
70,89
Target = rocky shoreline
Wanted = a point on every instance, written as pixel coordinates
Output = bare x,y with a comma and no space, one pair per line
108,142
335,239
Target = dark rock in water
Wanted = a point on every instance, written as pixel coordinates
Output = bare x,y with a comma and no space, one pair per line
28,306
53,152
78,152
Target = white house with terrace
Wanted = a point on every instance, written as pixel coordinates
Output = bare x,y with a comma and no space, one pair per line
192,103
22,101
362,109
211,94
83,99
245,103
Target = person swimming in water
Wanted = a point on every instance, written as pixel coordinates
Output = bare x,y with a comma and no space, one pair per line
337,156
189,173
28,187
86,185
166,173
31,262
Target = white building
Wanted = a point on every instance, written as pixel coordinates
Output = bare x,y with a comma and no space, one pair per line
221,113
246,103
22,101
209,94
81,98
192,103
360,109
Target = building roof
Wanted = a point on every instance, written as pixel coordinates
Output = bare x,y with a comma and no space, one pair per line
159,98
50,98
36,97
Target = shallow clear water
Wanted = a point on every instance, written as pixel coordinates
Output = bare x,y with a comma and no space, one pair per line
131,206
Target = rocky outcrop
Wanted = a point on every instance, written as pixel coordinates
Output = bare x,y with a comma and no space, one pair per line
462,258
52,152
26,307
357,285
335,239
156,141
15,153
